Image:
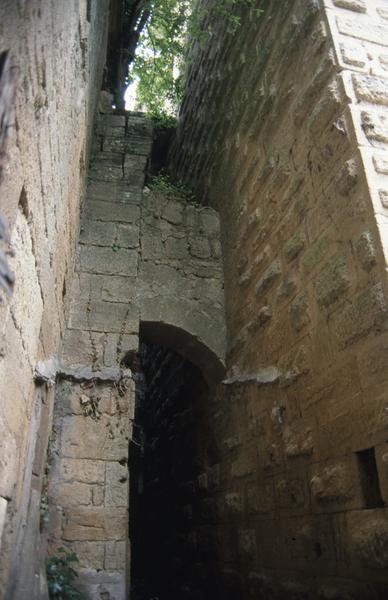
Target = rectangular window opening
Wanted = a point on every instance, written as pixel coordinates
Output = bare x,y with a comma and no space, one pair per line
369,478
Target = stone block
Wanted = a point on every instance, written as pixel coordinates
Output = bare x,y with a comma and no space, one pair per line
104,439
112,120
151,244
107,261
260,497
353,54
109,317
366,251
97,233
316,252
263,317
335,485
209,221
90,554
83,347
120,212
98,495
367,30
367,539
113,192
269,277
128,236
72,494
290,493
96,524
333,282
247,543
173,212
117,346
372,90
367,312
355,5
176,248
294,246
117,488
375,126
115,555
380,162
118,289
299,312
199,247
231,505
106,172
85,471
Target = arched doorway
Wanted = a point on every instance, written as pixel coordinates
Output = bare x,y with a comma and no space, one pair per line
172,447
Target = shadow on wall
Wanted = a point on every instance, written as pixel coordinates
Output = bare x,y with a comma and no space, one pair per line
186,345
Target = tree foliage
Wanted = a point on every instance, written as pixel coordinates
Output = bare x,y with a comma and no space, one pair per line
161,32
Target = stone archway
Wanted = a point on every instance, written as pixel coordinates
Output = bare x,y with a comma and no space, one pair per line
171,450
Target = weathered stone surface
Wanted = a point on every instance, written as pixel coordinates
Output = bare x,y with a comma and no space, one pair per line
109,261
87,439
112,212
96,524
333,282
86,471
270,275
97,233
294,246
299,313
356,5
368,535
90,554
107,316
117,490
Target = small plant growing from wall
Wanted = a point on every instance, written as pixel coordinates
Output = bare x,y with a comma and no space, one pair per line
163,185
61,576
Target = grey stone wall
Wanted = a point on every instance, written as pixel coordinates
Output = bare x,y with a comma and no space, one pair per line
150,266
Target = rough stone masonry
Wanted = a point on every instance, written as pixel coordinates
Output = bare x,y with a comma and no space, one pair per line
144,262
283,136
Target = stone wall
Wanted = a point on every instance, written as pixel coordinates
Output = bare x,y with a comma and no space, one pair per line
283,128
57,50
149,265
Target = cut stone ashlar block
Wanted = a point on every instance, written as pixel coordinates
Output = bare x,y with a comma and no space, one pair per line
333,282
355,5
120,212
366,29
113,192
372,90
111,317
96,524
85,438
269,277
108,261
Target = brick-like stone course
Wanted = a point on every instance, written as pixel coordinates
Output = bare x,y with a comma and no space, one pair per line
298,175
142,258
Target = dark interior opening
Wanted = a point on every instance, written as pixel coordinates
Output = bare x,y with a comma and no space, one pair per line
167,455
369,478
88,10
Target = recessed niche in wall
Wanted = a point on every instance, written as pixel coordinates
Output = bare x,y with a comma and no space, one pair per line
369,478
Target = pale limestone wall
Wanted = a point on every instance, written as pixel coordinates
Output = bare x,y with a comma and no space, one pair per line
58,50
147,266
283,128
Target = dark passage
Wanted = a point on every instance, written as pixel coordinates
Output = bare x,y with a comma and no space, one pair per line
170,452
